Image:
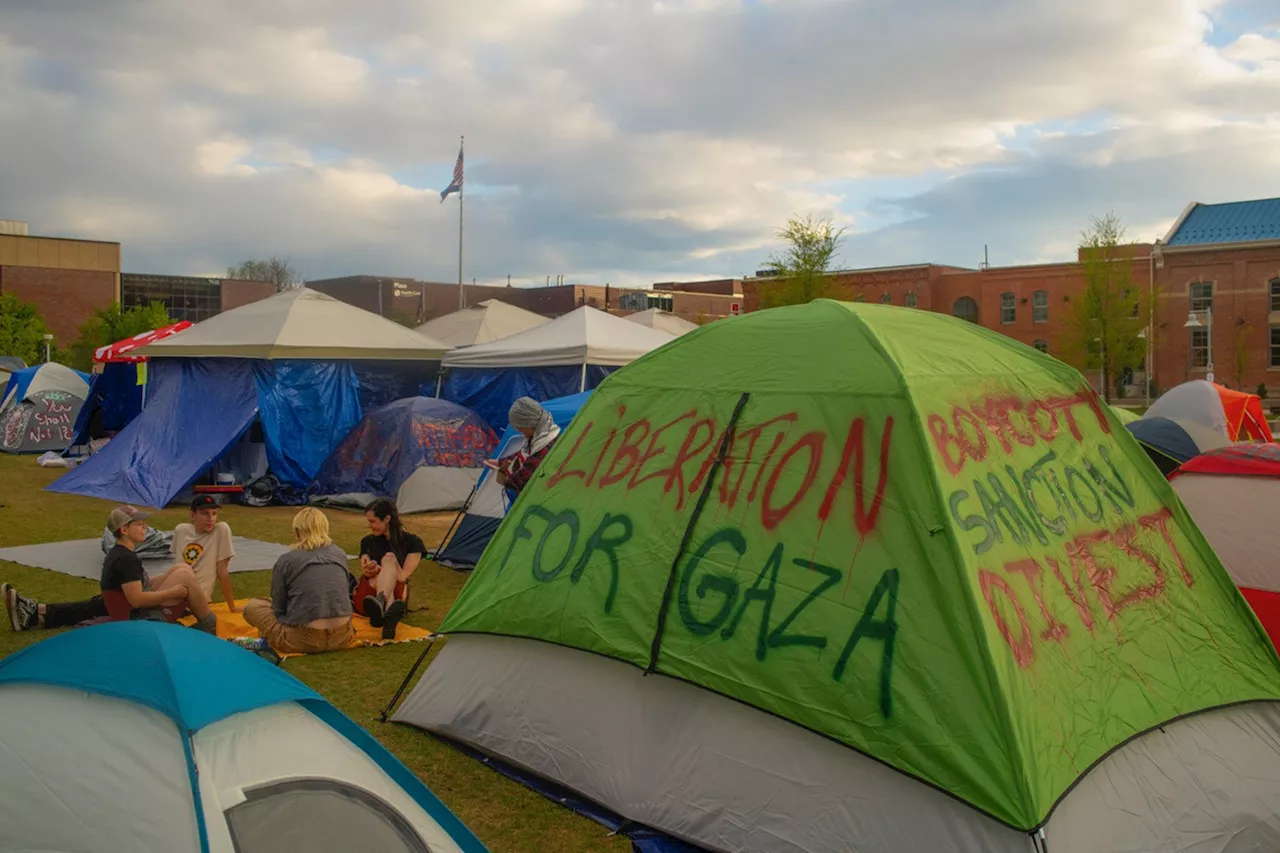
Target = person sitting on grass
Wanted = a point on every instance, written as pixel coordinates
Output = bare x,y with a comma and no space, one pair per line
389,556
129,594
203,544
309,610
540,432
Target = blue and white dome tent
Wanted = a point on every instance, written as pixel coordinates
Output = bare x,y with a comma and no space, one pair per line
148,737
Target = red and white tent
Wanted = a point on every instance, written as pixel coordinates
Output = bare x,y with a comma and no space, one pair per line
1233,494
119,351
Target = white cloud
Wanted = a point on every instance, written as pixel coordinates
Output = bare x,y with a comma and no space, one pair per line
619,139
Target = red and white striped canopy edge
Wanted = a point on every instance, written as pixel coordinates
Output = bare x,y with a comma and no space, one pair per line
119,351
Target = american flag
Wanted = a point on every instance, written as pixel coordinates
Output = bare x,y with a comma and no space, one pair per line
456,186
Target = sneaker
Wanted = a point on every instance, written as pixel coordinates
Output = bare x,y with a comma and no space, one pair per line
393,616
375,609
24,613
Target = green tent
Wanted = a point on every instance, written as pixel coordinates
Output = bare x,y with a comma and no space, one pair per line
905,533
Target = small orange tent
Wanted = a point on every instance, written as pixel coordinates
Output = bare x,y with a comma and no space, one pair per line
1245,419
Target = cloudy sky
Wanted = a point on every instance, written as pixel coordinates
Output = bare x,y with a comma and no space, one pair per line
628,141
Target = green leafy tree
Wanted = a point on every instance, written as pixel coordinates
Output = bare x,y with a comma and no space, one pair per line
802,271
1102,331
22,329
275,270
111,324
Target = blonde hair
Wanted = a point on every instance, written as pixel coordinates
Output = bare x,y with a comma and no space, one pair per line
311,529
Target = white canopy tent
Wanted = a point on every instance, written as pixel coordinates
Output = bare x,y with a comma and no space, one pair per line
299,323
491,320
583,336
663,321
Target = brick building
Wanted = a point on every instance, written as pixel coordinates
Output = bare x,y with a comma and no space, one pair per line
1220,260
67,280
410,300
190,297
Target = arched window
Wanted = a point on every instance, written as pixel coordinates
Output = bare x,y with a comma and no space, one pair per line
886,298
1043,346
966,309
911,300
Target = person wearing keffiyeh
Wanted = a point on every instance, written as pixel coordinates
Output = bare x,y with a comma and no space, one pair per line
540,432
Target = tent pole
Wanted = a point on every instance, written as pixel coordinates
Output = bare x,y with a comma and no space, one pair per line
582,386
439,380
396,698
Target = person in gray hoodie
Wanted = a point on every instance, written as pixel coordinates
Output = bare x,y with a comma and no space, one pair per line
310,606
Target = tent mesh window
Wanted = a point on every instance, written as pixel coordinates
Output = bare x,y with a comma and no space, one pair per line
318,814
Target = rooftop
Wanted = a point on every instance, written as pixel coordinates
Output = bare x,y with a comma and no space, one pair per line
1232,222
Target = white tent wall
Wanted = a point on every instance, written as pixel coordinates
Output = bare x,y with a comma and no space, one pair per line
584,336
491,320
299,323
130,789
1195,402
283,742
436,489
731,778
1238,517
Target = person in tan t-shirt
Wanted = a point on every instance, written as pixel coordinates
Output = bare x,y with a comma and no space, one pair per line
204,544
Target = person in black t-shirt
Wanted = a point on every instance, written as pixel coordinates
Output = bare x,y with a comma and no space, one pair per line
388,558
130,594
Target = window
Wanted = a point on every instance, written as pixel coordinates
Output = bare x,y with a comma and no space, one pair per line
193,299
1275,294
910,301
1008,309
1202,296
1043,346
1275,346
966,309
1200,347
1040,307
886,298
319,814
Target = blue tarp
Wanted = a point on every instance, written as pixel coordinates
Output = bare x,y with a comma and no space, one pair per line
383,382
307,408
393,441
115,393
489,392
474,529
195,410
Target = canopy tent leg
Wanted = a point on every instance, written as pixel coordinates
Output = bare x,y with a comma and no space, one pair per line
582,386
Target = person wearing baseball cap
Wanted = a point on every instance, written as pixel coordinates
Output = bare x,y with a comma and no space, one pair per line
204,544
130,594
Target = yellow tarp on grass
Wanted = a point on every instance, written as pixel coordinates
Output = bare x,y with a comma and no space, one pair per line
233,625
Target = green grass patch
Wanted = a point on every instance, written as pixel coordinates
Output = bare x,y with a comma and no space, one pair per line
505,815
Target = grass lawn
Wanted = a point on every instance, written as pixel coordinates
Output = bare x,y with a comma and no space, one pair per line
505,815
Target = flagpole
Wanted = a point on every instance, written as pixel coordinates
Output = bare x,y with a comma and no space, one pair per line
462,300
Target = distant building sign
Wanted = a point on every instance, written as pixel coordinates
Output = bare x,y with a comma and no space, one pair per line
735,307
404,290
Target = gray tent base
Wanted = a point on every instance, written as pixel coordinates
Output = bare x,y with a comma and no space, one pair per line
728,777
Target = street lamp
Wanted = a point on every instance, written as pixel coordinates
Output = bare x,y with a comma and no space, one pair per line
48,339
1193,322
1146,370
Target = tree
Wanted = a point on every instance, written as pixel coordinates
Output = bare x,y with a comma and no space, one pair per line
22,329
1241,352
1103,327
278,272
111,324
802,270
